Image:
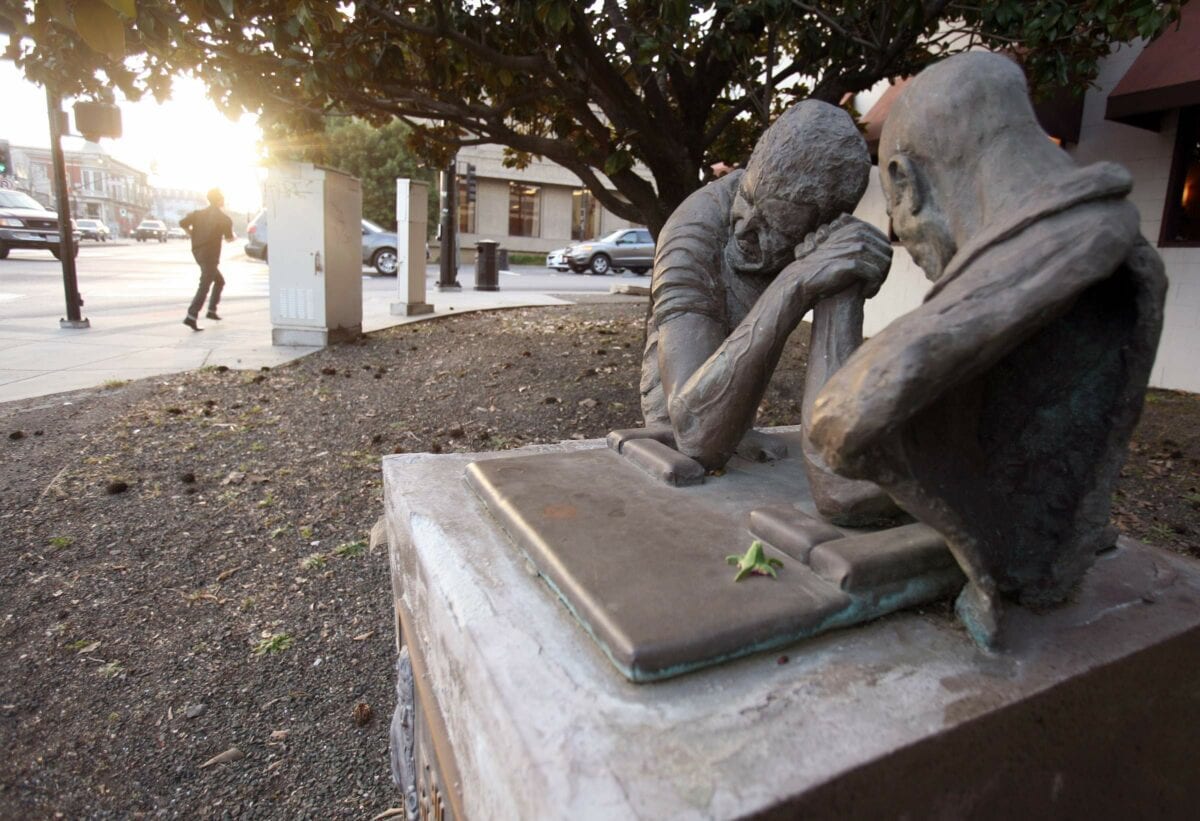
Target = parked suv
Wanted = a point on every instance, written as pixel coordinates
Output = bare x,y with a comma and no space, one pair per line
24,223
630,248
378,245
92,229
150,229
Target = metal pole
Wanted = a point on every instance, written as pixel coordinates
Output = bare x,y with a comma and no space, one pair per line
448,279
66,236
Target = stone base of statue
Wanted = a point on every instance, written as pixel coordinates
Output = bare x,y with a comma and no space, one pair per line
509,708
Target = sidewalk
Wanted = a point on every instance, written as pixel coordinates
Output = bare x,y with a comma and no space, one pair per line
37,358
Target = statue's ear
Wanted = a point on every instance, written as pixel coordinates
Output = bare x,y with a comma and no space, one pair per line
904,186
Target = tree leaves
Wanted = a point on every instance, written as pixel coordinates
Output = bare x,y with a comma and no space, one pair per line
101,27
666,88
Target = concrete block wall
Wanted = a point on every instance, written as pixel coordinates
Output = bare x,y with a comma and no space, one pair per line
1147,155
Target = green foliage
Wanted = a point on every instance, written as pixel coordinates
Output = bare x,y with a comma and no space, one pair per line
376,155
314,561
599,88
272,644
350,550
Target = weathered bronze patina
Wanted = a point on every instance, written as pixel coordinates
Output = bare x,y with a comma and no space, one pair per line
1000,410
737,267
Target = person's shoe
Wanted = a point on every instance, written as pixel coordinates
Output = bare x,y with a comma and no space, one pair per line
212,315
191,323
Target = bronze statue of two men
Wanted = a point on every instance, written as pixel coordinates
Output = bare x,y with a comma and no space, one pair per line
999,411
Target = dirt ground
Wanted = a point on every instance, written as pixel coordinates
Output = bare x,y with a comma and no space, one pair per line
185,570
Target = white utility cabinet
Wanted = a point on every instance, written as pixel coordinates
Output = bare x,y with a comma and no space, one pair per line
314,219
412,225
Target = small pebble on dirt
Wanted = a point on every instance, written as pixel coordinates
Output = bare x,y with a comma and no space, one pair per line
328,371
362,713
456,432
116,486
188,478
782,660
222,368
195,710
16,434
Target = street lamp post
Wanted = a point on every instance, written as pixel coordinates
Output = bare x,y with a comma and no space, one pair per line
66,236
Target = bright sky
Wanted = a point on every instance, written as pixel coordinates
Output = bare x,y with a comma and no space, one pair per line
183,143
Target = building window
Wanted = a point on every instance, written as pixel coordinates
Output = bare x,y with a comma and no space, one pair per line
524,203
585,214
466,210
1181,216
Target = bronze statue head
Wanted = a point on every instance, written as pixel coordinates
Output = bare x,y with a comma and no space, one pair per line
810,166
960,146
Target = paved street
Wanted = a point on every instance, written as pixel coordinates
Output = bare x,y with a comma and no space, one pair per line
135,296
117,278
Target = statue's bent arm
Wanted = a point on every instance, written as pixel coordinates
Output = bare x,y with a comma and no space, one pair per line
714,384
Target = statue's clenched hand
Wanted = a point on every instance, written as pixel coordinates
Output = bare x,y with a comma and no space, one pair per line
840,255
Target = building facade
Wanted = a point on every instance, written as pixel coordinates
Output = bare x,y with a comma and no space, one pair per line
535,209
171,204
102,187
1144,113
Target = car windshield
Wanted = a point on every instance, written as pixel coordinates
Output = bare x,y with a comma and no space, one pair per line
613,237
372,227
86,223
16,199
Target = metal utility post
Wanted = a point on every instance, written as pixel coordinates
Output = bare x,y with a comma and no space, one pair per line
448,279
66,236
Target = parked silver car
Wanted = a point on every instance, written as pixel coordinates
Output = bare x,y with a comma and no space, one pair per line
556,260
629,248
378,245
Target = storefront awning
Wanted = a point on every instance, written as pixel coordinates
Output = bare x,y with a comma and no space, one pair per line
1059,114
1164,76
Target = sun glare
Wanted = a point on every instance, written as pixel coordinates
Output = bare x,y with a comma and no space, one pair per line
187,143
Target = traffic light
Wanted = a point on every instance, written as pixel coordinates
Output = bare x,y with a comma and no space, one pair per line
5,159
96,120
470,183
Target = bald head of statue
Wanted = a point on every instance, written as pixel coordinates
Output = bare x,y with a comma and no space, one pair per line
808,168
961,147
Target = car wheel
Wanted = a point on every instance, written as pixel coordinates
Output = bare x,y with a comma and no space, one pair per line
601,265
384,261
3,252
641,272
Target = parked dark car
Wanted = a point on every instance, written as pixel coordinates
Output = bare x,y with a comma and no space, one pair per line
378,245
24,223
150,229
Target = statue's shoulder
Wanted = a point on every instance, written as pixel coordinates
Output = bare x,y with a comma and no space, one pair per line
706,207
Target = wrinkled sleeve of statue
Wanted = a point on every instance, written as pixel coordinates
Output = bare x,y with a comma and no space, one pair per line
687,278
687,261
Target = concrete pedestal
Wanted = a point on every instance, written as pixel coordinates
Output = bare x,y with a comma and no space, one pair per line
1092,709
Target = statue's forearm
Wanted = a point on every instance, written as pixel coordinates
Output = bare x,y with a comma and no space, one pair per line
714,408
837,325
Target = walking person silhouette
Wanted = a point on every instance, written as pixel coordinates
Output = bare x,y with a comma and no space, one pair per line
207,227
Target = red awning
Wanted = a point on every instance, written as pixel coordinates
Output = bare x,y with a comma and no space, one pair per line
1165,75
